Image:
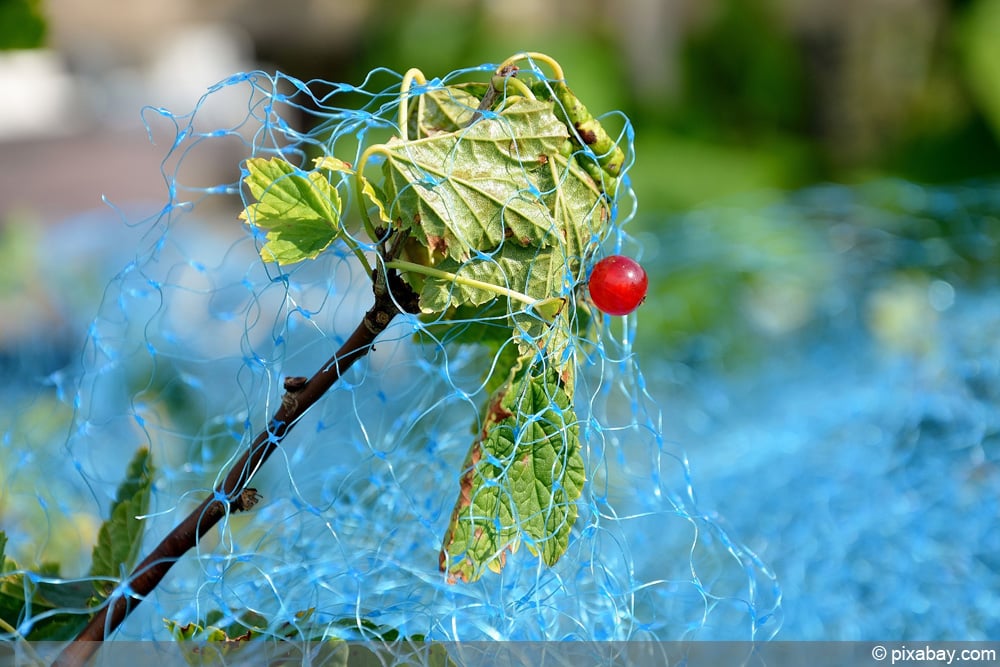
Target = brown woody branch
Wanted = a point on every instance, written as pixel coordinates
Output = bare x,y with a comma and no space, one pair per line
392,296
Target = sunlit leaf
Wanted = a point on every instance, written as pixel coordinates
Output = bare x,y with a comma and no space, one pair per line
522,478
466,191
535,273
367,189
300,211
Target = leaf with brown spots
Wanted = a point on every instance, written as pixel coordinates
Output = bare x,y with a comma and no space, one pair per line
472,184
522,478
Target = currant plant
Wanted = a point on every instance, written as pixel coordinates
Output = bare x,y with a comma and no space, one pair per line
494,197
481,215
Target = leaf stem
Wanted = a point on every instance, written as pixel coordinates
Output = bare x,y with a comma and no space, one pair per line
557,70
516,84
359,253
402,265
359,189
412,74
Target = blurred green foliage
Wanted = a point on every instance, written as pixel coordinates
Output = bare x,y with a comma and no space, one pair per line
761,94
979,39
22,25
764,97
730,97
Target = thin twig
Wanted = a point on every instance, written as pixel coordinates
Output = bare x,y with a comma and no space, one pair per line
490,97
392,296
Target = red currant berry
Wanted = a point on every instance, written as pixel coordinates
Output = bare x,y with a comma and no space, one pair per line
618,285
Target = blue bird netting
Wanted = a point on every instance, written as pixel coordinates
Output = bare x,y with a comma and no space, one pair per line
187,357
836,415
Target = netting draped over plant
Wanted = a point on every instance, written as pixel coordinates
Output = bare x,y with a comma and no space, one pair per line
494,468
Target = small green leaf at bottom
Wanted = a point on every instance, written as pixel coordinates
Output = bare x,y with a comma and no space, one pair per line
35,595
120,537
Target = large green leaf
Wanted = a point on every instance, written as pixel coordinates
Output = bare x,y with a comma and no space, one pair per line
465,191
522,478
204,642
120,537
300,211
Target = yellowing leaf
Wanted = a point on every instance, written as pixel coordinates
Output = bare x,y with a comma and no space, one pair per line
300,211
530,271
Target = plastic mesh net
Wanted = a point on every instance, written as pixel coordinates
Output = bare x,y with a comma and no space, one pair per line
188,355
859,440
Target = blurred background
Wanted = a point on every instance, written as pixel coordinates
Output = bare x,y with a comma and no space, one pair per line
818,210
728,96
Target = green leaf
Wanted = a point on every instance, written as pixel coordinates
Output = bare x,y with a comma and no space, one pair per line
338,166
466,191
20,593
205,643
22,24
300,211
120,537
582,213
539,274
441,110
52,597
522,478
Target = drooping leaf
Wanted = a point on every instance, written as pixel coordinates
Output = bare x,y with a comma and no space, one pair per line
466,191
120,537
300,211
522,478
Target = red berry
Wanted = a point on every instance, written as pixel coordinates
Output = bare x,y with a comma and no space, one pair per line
618,285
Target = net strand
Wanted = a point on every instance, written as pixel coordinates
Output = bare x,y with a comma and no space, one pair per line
192,345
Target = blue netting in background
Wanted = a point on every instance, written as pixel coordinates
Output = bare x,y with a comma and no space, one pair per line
840,421
842,404
187,357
